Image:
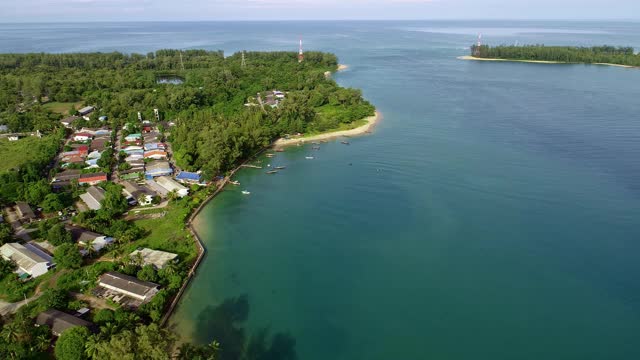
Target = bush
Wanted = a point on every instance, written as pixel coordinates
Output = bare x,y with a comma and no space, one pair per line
68,256
58,235
70,345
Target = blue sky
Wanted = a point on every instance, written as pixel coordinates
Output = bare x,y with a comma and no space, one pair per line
123,10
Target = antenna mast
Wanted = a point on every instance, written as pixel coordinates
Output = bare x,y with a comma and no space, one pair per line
476,51
300,53
244,61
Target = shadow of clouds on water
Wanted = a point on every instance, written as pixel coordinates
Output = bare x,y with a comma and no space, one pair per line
224,323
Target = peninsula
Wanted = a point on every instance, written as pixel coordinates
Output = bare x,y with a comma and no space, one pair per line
597,55
109,157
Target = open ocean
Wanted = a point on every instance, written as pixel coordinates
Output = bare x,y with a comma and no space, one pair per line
493,214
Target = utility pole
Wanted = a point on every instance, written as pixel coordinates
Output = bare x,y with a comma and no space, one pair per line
181,63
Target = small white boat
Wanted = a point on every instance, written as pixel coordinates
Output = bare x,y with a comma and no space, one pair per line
233,182
309,157
245,192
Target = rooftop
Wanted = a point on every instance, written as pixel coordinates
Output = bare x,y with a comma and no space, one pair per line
60,321
22,256
127,283
159,259
190,176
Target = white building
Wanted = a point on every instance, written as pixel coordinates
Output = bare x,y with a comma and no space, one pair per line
128,285
170,185
30,260
84,237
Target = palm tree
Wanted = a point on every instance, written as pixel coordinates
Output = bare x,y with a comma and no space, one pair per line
173,194
108,329
90,248
214,348
42,342
170,269
91,346
11,332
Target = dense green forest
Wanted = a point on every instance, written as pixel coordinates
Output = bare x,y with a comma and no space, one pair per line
568,54
214,128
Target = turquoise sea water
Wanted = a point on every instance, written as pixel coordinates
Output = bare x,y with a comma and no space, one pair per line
493,214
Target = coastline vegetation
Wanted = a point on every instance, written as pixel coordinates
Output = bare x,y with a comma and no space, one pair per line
563,54
212,122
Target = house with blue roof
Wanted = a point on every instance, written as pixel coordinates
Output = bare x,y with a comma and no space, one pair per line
189,177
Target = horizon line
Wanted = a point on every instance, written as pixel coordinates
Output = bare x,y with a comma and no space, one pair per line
317,20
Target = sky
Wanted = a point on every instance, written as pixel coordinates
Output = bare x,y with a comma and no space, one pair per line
184,10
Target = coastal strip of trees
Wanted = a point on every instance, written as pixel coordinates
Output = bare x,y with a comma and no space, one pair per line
565,54
214,129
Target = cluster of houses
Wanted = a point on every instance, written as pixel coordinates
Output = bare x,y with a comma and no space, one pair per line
267,98
148,157
86,146
127,291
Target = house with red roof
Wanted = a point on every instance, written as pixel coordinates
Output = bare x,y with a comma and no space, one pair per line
92,179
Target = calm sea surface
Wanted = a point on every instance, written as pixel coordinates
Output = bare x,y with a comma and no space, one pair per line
493,214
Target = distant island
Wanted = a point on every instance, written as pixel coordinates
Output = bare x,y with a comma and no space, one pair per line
601,55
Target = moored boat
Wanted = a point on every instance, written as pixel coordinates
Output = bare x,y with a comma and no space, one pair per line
272,171
234,182
245,192
280,167
309,157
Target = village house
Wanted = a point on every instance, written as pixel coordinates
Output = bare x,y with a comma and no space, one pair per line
85,111
92,179
128,286
171,185
133,137
187,177
84,237
93,197
154,146
59,321
82,136
13,137
68,121
99,144
25,214
137,194
158,259
158,168
30,260
155,154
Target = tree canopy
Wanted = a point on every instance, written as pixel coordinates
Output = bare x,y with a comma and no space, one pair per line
568,54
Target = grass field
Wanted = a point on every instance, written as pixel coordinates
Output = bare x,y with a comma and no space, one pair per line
62,107
16,153
168,233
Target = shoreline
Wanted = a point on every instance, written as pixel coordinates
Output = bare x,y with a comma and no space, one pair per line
473,58
202,250
372,121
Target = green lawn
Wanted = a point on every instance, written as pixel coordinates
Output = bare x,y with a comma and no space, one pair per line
16,153
167,233
62,107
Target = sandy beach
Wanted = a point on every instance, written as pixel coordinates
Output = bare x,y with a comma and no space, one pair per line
468,57
371,123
